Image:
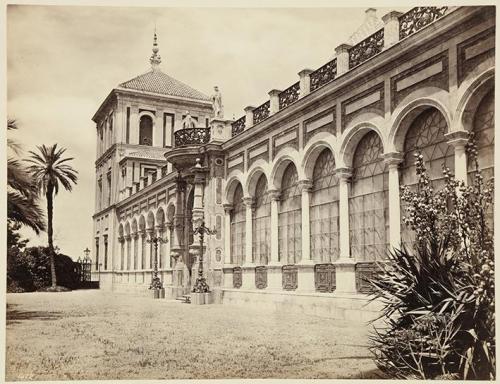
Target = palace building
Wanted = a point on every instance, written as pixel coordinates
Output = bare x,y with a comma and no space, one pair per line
303,191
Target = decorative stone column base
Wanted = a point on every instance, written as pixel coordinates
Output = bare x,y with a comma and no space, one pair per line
202,298
248,271
274,276
345,270
158,293
305,276
228,276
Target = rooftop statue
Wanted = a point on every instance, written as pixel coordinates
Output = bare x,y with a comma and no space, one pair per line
217,103
188,121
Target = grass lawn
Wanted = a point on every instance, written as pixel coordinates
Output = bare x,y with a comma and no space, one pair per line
95,335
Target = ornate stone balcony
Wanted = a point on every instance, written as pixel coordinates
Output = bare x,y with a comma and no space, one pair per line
191,136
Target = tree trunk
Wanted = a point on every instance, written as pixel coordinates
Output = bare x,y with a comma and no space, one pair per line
49,195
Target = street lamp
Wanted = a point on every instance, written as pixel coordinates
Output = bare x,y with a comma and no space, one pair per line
201,286
155,280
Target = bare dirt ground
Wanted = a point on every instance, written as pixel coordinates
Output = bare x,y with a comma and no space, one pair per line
90,335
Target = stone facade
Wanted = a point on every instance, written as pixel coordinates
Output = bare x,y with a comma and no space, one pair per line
303,191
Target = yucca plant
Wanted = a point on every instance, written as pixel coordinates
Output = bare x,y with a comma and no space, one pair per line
438,295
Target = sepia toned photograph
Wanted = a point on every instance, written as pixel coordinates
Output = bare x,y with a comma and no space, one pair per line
210,191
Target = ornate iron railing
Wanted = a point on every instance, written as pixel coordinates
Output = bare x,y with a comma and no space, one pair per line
323,75
365,271
417,18
324,277
365,49
261,277
289,95
191,136
262,112
289,277
238,126
237,277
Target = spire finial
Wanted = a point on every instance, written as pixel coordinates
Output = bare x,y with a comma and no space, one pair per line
155,58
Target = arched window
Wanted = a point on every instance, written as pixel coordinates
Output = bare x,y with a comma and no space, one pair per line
238,227
484,137
261,223
368,203
324,211
129,266
146,130
122,253
426,134
289,218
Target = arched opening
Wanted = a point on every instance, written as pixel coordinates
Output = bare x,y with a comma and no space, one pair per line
426,135
160,223
324,210
483,127
289,218
122,247
135,237
238,227
261,223
146,130
368,202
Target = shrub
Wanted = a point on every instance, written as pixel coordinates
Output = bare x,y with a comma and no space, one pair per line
438,296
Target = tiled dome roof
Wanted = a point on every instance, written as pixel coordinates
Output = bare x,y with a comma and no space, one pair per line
156,81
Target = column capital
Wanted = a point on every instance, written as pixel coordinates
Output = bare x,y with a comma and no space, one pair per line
248,201
393,158
160,227
121,239
274,194
135,235
305,185
457,138
392,15
228,207
344,174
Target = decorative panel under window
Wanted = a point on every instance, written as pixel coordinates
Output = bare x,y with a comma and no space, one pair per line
324,210
426,134
289,218
261,246
484,137
368,203
238,216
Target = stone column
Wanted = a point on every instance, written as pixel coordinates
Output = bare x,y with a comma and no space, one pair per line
143,258
393,160
135,251
391,28
249,116
345,265
342,52
274,101
228,266
248,266
306,264
305,82
459,140
274,265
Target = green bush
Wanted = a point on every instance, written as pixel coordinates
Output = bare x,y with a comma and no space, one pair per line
438,296
29,270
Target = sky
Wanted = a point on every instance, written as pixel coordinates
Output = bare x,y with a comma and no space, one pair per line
62,61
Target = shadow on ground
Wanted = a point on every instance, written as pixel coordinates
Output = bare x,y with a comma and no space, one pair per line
15,316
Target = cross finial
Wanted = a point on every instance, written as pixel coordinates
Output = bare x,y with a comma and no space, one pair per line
155,59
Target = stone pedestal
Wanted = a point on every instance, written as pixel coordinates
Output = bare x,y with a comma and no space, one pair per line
248,271
274,281
158,293
202,298
228,276
305,276
345,270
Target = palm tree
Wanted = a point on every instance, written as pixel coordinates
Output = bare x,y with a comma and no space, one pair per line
48,170
22,205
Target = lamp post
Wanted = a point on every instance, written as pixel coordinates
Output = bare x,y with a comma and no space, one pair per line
155,280
201,286
86,265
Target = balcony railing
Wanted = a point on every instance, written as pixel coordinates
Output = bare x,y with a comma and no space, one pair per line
289,95
191,136
417,18
323,75
366,49
262,112
238,126
409,23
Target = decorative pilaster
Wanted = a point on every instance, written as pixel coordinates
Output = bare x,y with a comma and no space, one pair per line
274,101
248,266
135,263
249,116
459,140
274,265
391,28
306,187
305,82
342,52
345,265
393,160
